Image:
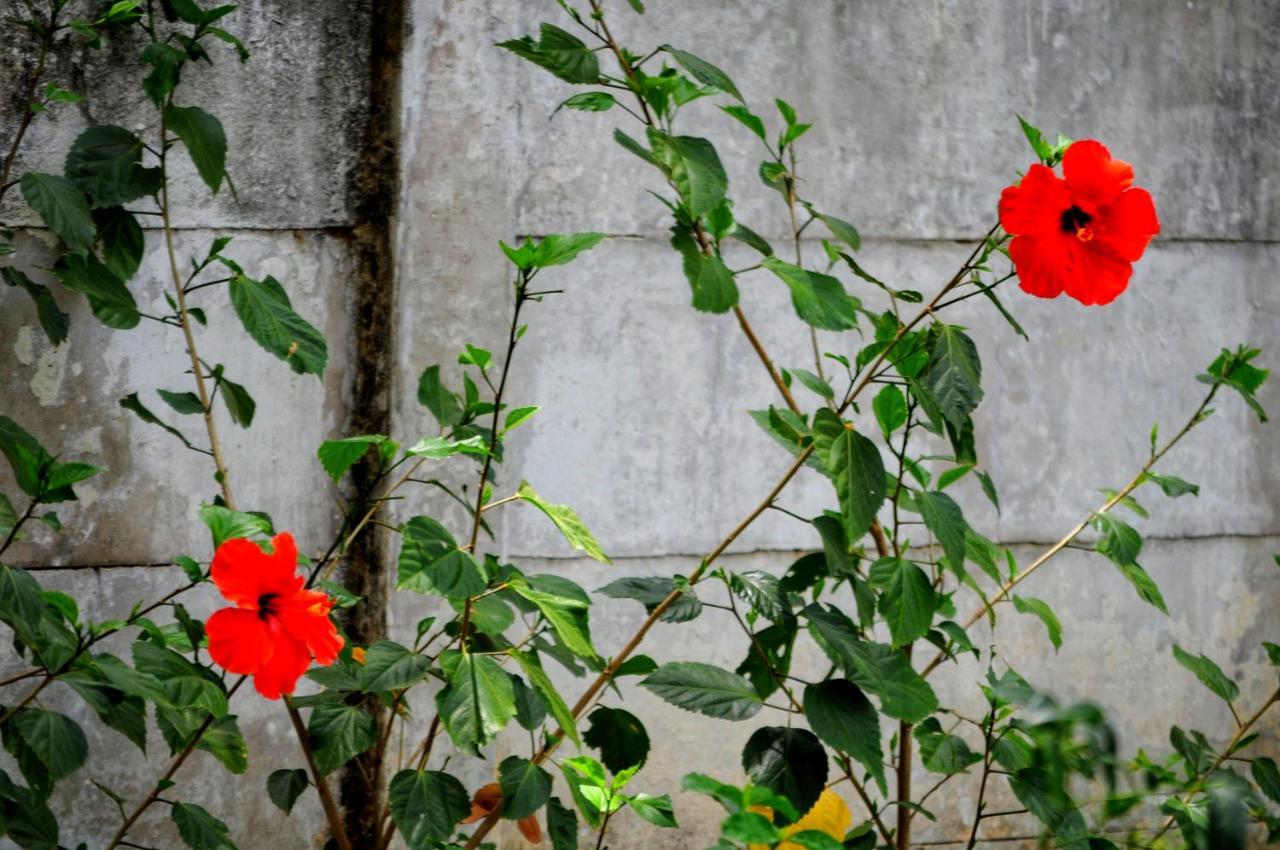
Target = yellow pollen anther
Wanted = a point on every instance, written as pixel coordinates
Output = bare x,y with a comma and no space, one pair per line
1084,234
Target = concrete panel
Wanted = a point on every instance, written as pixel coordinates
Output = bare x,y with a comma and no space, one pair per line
915,107
293,113
644,426
144,508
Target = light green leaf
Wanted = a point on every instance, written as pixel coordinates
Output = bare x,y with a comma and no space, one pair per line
656,810
337,456
542,684
564,605
559,52
698,173
890,408
944,518
565,519
556,250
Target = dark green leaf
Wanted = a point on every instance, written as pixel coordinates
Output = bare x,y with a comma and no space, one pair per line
1172,485
619,736
704,688
1041,609
559,52
53,321
339,733
656,810
389,666
240,405
426,805
789,762
477,703
704,72
943,753
62,206
907,598
1266,775
542,684
109,299
525,787
562,825
182,402
285,786
842,716
199,829
204,139
858,474
749,119
1209,673
55,739
432,562
265,311
587,101
698,173
105,162
953,375
945,519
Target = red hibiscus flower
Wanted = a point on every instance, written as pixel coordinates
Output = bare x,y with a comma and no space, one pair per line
1078,235
276,626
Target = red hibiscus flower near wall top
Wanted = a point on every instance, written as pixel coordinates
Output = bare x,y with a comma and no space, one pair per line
275,626
1079,235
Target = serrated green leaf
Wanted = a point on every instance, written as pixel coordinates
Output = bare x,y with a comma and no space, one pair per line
426,806
62,206
269,318
842,716
1209,673
706,689
567,521
820,300
204,138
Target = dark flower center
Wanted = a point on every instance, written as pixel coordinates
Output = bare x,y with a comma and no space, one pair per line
1074,218
265,605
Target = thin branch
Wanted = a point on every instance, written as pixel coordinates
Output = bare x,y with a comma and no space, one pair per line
331,811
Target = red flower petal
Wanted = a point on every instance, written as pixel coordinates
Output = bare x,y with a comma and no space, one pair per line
1039,261
287,664
530,829
1035,205
1128,224
1096,276
238,640
244,573
1094,178
304,615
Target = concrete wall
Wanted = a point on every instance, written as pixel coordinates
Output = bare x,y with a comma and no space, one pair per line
643,426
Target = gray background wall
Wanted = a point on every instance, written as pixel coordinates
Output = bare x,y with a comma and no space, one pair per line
643,426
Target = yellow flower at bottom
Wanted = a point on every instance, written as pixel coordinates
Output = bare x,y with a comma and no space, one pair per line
829,815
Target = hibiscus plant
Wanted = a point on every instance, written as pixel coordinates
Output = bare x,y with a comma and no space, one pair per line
896,587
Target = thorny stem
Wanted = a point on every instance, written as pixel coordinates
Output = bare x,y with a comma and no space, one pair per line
331,811
1007,587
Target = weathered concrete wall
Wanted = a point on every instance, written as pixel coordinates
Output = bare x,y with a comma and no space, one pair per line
643,425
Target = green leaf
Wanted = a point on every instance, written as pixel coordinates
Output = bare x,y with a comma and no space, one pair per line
518,417
62,206
542,684
109,299
204,139
698,173
789,762
442,447
565,519
704,72
763,592
55,739
714,290
132,403
1119,542
426,806
525,787
225,523
890,408
1041,609
240,405
564,605
820,300
1172,485
943,753
656,810
814,383
907,598
555,250
285,786
268,317
841,229
1043,150
749,828
619,736
706,689
1145,585
587,101
562,825
338,456
748,119
1209,673
200,830
53,321
840,714
1266,776
185,403
223,740
27,819
878,669
432,562
442,403
28,459
166,62
1234,369
105,162
944,518
339,733
859,477
477,703
389,666
559,52
953,375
